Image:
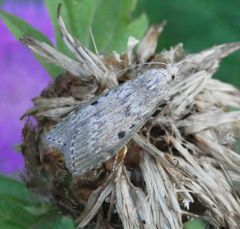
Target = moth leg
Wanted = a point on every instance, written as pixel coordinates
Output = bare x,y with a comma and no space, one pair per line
117,160
120,157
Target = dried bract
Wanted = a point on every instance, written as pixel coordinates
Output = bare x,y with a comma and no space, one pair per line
182,163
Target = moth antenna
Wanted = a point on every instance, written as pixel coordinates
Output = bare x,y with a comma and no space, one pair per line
137,65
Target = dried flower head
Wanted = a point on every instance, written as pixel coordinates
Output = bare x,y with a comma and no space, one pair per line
181,164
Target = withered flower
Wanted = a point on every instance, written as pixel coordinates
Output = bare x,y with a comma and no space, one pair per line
181,164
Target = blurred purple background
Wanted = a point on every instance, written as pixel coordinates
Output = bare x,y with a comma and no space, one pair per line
22,78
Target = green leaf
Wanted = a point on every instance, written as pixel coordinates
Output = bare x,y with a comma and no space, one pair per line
195,224
13,211
19,27
14,188
232,109
236,184
14,200
221,23
52,220
19,208
64,222
110,21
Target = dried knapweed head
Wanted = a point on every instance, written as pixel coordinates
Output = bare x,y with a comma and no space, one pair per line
181,164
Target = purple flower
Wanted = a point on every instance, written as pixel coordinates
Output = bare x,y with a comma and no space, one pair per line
22,78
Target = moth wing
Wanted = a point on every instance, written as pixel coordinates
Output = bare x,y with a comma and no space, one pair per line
98,140
109,126
91,135
58,137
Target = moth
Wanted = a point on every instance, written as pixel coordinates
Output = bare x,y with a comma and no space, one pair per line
96,131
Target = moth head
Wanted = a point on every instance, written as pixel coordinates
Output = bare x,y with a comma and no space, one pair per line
166,75
172,72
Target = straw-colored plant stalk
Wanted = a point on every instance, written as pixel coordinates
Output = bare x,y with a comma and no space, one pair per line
183,162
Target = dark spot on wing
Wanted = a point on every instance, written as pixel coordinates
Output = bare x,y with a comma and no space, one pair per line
131,126
106,94
94,103
121,134
173,77
50,139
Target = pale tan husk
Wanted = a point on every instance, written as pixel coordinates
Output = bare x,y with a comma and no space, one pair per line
187,151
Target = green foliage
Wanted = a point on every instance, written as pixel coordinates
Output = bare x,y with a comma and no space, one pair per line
198,25
19,208
195,224
19,27
110,22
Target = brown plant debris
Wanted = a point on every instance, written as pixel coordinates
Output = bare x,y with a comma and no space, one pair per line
183,162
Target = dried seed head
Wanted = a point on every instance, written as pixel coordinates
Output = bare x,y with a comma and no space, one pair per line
181,152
